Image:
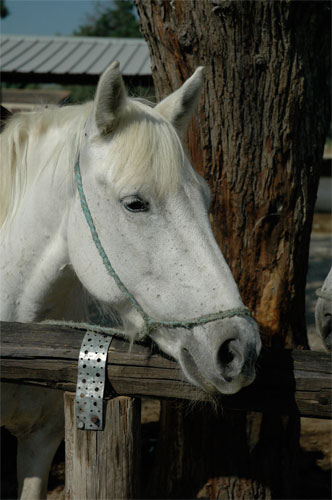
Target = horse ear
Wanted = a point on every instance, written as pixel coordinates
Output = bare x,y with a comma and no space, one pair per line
110,99
179,106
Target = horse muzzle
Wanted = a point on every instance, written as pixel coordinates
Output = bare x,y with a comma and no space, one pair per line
222,357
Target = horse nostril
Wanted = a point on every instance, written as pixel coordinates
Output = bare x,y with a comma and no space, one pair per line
225,354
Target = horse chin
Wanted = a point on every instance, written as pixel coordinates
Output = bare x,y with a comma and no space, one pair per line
227,372
221,388
217,385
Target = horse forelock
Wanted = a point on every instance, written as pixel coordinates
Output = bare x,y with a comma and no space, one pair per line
144,150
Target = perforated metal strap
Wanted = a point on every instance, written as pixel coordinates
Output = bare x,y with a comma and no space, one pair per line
91,381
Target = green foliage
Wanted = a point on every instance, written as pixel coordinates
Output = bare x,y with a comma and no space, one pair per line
80,93
117,20
3,9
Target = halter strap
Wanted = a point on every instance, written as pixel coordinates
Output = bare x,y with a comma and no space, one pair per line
150,323
324,294
100,248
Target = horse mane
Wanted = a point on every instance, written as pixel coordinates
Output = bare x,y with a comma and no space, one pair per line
144,149
20,137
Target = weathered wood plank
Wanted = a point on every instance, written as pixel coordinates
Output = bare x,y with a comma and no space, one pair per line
104,464
287,381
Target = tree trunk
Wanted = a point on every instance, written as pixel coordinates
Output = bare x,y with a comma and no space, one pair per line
258,140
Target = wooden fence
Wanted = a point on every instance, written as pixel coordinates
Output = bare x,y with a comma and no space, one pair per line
105,464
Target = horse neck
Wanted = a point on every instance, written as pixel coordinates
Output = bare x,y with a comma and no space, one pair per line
37,281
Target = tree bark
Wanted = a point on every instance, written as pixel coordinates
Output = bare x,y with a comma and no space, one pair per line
258,140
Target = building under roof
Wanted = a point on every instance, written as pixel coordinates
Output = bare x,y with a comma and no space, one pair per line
72,60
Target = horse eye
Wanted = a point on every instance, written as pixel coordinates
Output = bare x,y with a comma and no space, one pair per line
135,204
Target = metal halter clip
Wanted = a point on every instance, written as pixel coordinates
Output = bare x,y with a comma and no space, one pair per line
91,381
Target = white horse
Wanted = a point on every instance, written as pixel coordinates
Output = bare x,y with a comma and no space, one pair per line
323,311
150,210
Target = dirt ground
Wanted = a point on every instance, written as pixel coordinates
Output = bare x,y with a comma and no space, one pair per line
316,434
315,460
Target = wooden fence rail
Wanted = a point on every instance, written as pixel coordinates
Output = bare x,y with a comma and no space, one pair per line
287,381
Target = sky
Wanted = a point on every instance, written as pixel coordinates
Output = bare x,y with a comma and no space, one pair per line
46,17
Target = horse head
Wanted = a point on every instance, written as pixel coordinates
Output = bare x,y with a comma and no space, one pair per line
150,211
323,311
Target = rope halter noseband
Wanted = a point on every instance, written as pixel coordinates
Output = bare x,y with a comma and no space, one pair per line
150,323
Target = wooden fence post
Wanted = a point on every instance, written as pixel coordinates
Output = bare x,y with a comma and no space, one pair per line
104,464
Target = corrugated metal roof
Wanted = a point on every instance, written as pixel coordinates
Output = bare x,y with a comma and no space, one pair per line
86,56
